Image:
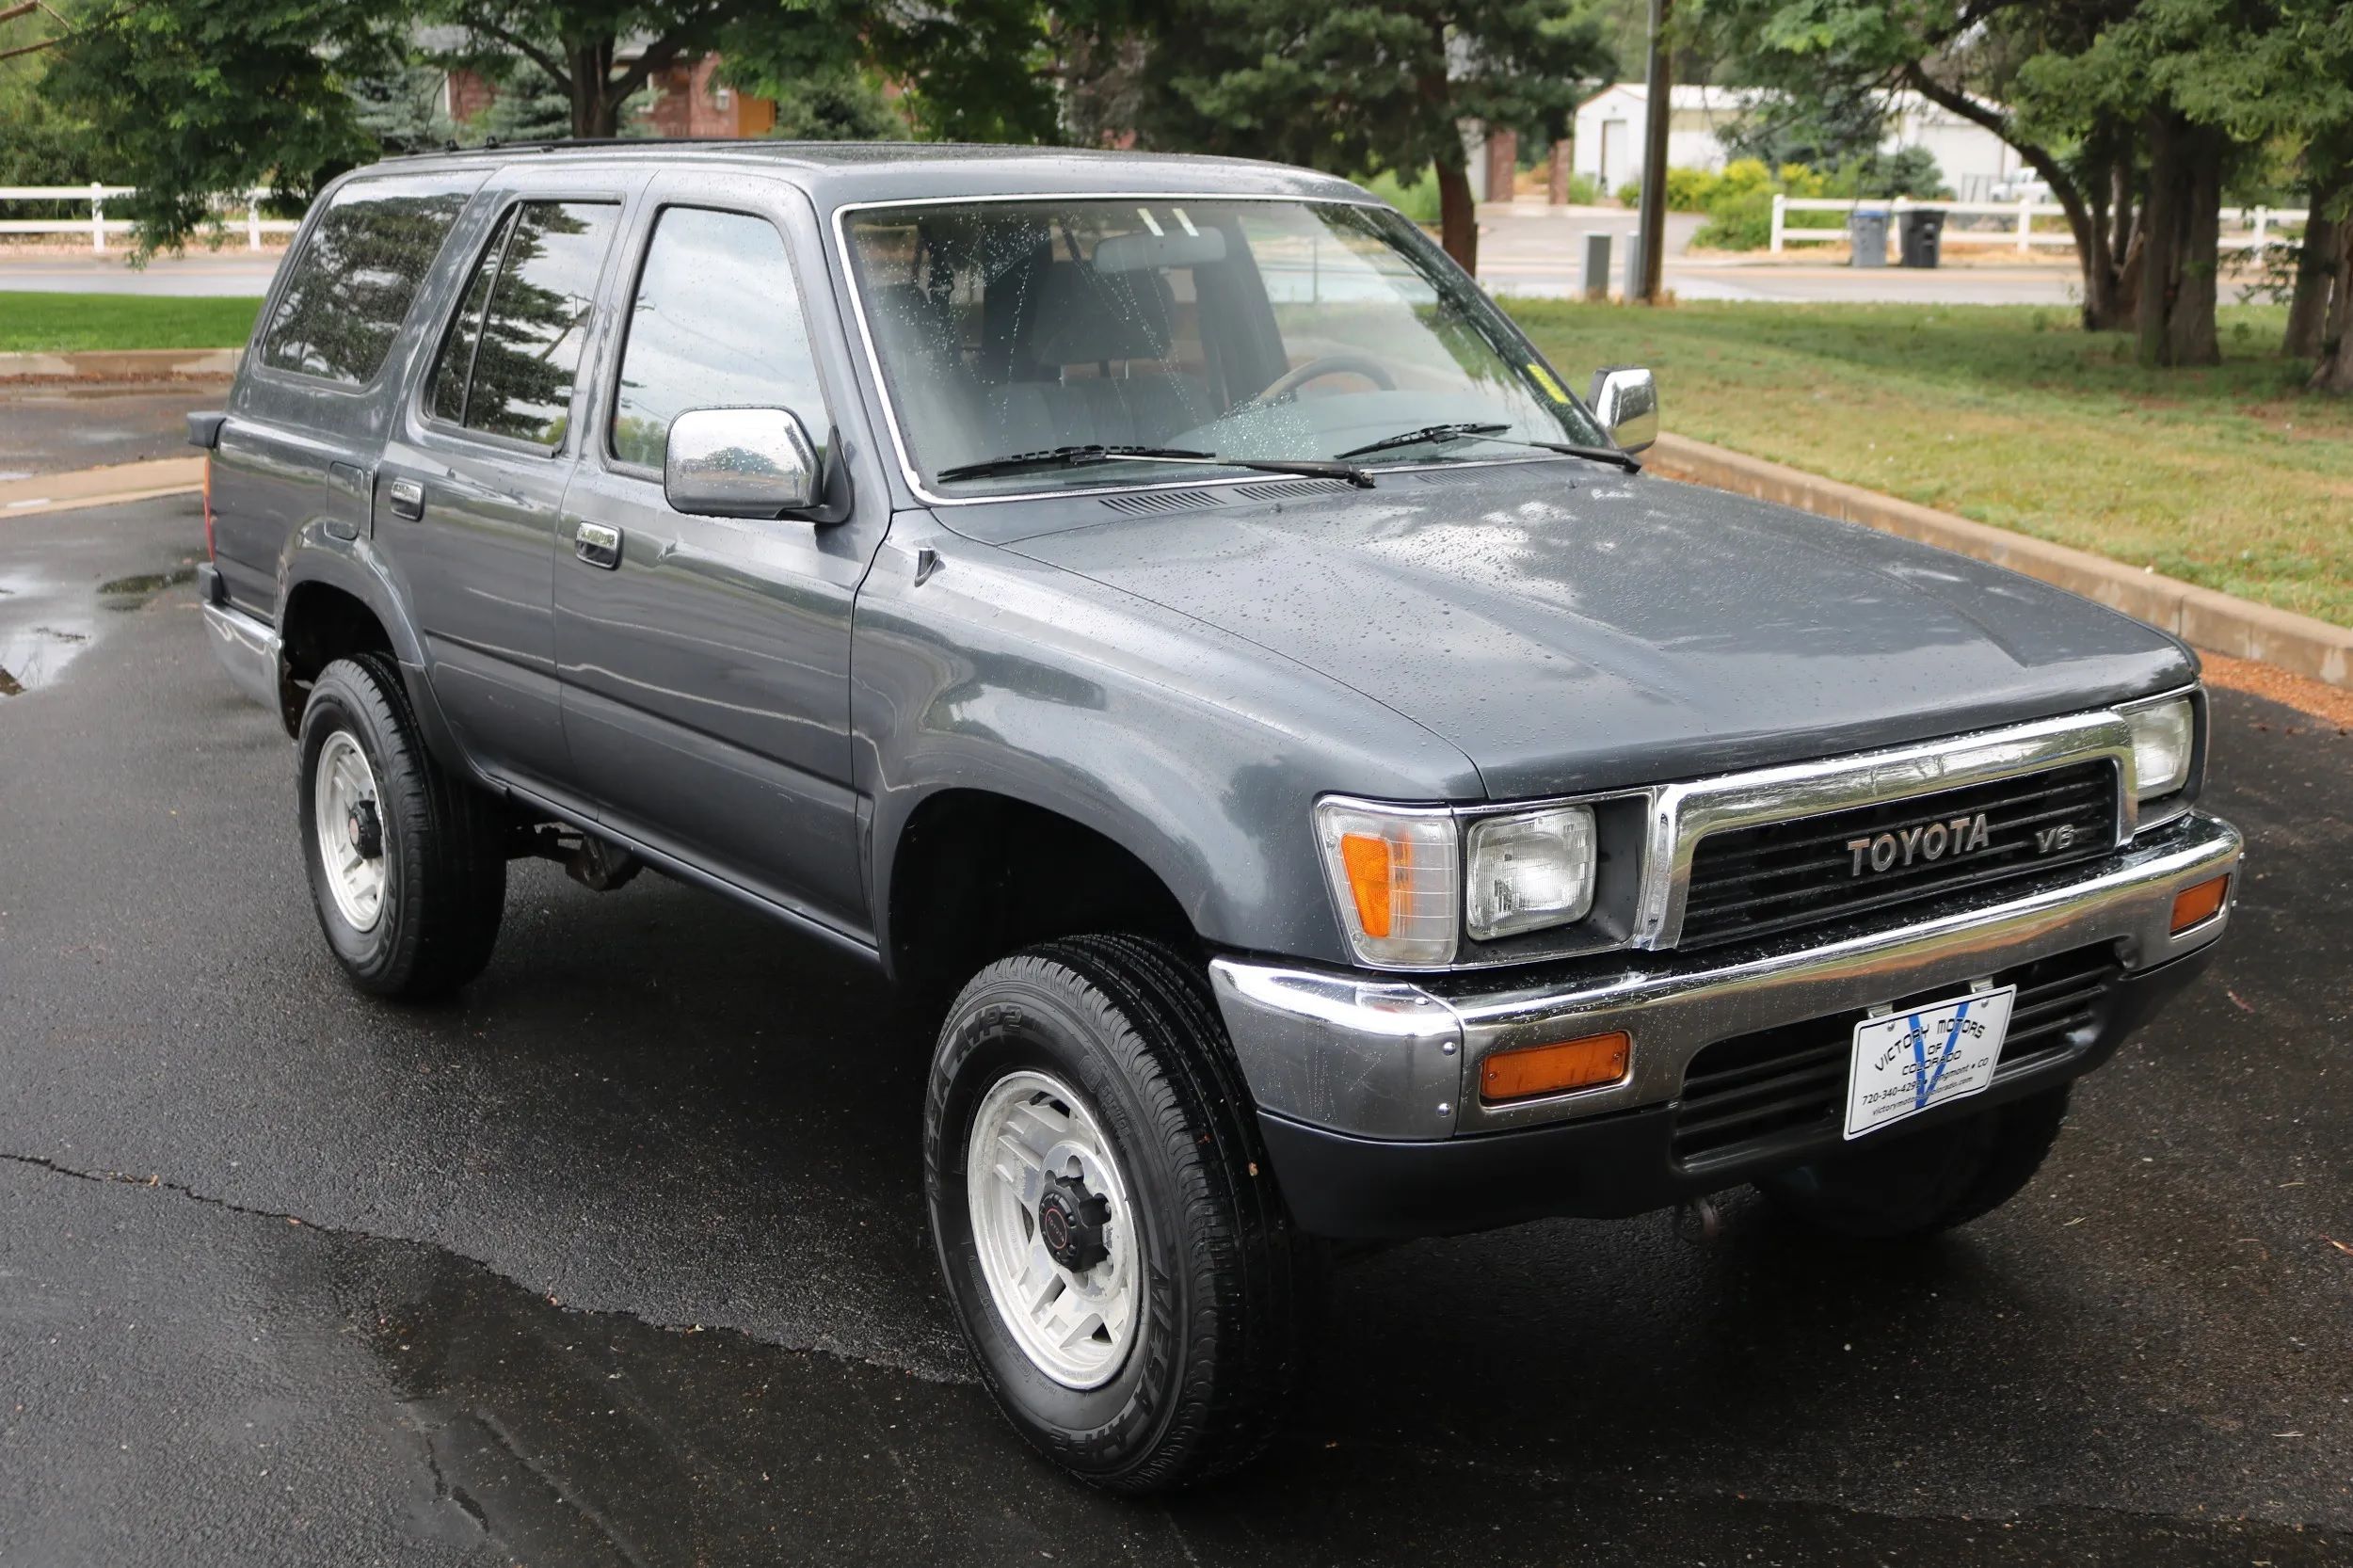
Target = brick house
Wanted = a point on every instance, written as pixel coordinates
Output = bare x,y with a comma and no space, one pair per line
688,100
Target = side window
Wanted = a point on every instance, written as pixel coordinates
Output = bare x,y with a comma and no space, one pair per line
447,398
716,323
349,290
509,364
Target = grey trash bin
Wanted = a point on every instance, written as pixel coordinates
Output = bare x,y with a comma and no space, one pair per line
1920,235
1866,230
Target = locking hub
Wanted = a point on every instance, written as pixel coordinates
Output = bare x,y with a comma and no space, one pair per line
1070,1222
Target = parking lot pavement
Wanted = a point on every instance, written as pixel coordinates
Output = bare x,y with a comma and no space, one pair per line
53,426
619,1257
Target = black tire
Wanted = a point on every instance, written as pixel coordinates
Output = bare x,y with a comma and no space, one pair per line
1226,1281
444,851
1919,1184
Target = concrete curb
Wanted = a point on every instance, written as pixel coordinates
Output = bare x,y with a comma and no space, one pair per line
100,487
120,364
2237,627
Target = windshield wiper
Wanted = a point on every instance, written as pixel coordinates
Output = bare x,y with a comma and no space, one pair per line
1433,434
1085,457
1438,434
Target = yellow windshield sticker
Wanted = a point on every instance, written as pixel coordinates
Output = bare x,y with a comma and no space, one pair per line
1544,380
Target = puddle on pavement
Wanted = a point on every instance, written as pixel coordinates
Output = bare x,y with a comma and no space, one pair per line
129,593
34,654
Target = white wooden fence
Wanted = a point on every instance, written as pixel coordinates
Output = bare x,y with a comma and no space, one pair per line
98,225
2243,227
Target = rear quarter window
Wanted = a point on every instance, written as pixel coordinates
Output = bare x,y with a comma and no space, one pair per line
349,289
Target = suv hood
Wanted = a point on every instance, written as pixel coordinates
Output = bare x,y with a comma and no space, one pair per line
1568,631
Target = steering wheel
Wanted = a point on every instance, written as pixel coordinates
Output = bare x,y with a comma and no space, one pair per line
1290,381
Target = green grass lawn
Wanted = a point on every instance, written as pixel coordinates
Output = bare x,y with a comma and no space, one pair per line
60,322
2231,478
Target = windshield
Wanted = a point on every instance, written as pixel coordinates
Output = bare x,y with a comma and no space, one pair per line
1268,330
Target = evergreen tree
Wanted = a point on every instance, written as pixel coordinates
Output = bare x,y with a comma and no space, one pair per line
1361,86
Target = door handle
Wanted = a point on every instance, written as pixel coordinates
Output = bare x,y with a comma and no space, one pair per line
407,499
598,544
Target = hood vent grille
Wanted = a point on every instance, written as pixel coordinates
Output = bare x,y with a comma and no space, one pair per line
1144,502
1282,488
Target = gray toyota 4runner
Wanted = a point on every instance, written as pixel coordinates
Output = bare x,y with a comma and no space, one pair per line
1161,609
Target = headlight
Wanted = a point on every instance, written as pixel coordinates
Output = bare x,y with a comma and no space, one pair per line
2164,736
1396,879
1529,871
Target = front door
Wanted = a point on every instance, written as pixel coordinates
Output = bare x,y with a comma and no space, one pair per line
472,484
706,670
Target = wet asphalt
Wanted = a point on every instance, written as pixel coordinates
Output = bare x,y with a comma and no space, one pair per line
619,1258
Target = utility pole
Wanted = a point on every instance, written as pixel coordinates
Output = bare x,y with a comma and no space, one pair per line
1657,115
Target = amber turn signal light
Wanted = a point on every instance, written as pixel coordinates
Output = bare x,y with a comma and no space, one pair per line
1530,1070
2196,905
1370,878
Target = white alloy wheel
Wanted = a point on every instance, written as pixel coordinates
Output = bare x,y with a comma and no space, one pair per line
1052,1225
350,826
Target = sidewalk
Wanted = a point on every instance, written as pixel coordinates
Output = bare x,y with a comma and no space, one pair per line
100,487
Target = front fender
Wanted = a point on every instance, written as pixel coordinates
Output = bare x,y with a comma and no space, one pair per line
1200,754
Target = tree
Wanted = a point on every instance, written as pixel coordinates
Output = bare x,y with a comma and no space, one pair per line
577,43
1975,59
1369,85
227,94
2276,72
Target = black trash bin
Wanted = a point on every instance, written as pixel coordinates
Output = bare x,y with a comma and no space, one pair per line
1866,231
1920,234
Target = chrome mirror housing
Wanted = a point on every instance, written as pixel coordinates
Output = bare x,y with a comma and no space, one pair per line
739,463
1625,399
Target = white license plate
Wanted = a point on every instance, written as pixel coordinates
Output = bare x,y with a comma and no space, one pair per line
1917,1058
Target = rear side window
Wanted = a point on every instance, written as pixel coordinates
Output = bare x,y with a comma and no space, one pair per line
508,365
349,290
716,323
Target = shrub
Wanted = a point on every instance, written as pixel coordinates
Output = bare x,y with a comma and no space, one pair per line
1629,194
1584,190
1419,200
1689,189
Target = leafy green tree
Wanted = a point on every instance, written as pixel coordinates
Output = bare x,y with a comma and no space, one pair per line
40,145
193,99
1969,57
2279,73
1369,85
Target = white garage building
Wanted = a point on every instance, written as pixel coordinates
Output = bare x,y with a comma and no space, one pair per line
1609,139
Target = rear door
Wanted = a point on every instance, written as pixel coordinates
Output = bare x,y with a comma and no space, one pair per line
472,483
707,675
298,448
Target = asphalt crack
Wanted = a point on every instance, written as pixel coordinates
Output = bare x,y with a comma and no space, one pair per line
154,1182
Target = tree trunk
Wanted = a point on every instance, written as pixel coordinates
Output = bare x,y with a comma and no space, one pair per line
2111,279
595,111
2098,287
2191,338
1458,218
2335,374
2180,262
2315,272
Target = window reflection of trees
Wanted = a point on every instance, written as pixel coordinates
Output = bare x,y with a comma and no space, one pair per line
538,318
352,286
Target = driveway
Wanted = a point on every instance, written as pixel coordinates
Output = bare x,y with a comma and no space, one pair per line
619,1258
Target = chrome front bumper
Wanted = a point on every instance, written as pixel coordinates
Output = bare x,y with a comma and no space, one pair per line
1385,1059
246,648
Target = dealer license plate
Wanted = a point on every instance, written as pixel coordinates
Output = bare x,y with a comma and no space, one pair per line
1917,1058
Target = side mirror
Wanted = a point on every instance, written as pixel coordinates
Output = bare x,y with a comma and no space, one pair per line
739,463
1626,400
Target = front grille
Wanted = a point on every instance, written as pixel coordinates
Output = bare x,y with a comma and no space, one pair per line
1788,1086
1749,882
